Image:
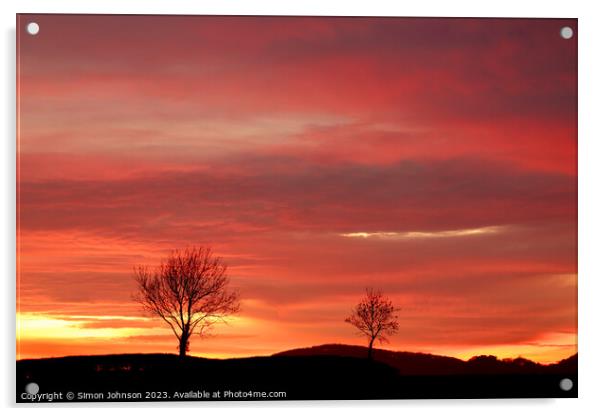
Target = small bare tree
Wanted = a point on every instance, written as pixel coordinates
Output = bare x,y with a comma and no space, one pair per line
374,317
189,291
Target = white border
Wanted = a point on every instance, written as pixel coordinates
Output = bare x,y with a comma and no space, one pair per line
590,173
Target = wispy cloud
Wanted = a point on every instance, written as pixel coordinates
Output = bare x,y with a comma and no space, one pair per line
425,234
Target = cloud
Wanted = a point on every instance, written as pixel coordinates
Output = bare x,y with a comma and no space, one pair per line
424,234
302,196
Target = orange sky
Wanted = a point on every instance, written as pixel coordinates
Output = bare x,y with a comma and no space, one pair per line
434,159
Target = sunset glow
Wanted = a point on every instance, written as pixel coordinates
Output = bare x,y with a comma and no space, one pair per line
429,158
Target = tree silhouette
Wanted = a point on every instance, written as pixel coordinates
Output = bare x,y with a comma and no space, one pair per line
189,291
374,317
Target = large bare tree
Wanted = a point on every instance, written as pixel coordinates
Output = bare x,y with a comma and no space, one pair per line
189,291
375,317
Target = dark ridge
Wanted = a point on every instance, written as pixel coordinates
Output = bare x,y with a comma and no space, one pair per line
414,363
334,372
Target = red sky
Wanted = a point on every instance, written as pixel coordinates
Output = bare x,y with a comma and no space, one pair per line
434,159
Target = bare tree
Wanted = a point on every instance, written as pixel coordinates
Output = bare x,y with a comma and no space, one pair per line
189,291
374,317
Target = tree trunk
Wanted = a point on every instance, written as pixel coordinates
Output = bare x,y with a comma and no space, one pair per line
184,344
370,348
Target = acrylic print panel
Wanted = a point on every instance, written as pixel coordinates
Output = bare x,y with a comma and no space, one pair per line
285,208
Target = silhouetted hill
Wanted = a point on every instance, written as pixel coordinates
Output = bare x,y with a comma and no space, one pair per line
567,365
413,363
299,377
324,372
406,362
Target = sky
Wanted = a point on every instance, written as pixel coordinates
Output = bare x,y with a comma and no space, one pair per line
433,159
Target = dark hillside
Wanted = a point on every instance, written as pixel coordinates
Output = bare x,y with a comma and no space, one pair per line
413,363
324,372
